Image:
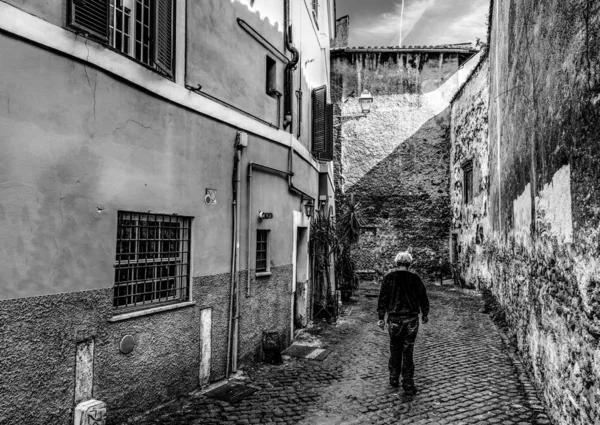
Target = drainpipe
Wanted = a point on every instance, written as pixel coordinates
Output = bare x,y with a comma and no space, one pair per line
289,68
234,305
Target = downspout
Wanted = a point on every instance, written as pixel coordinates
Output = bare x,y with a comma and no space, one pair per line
234,305
233,252
289,67
249,236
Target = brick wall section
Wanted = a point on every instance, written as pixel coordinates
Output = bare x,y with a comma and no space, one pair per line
396,160
541,255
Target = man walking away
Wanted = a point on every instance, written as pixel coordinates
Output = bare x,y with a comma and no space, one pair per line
402,297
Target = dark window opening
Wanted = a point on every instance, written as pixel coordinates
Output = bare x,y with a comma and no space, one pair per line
153,259
262,251
454,248
468,182
271,77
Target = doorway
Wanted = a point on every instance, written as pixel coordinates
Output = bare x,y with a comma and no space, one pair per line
301,295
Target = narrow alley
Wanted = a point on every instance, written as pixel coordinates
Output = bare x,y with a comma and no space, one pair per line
465,374
187,188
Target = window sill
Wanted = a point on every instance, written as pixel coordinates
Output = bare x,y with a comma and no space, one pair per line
263,274
154,310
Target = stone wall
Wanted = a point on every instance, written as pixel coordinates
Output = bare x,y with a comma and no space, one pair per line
395,161
540,255
342,32
469,136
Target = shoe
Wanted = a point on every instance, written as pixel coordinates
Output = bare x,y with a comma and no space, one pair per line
394,382
410,390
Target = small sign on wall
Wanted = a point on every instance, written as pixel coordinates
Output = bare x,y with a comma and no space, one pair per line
211,196
264,215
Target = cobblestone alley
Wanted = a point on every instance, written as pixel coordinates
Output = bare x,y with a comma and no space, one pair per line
464,372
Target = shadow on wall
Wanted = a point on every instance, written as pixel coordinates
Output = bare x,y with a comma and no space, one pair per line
405,198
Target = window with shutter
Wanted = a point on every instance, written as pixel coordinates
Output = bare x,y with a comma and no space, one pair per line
327,154
140,29
163,36
319,96
90,16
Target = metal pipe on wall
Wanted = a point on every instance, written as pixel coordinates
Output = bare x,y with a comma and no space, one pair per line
287,84
233,249
234,305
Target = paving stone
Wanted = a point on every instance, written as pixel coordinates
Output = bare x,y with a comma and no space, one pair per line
462,370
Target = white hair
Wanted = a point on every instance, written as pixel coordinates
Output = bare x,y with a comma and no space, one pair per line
403,257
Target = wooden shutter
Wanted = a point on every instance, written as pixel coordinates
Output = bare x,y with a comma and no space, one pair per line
163,36
327,154
319,96
90,16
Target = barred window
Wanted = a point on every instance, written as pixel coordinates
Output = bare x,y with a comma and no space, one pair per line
153,259
262,251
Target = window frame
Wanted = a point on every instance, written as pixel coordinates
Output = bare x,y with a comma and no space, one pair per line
266,271
133,262
271,77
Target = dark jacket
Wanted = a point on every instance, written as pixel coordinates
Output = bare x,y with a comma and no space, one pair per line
402,295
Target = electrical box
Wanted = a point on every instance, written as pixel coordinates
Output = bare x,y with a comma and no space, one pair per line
91,412
241,139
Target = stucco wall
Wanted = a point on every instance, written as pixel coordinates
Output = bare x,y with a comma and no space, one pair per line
541,257
226,61
78,146
395,160
230,65
76,152
54,11
37,356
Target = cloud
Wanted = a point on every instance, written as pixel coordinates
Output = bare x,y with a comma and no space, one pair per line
425,22
450,21
386,26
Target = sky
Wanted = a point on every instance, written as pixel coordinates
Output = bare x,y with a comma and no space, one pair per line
426,22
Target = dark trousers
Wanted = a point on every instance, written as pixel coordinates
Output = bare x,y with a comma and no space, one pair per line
403,332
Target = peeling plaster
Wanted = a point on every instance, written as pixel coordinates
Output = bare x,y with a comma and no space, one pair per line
553,207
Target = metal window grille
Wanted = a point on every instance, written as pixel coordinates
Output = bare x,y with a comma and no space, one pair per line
262,240
153,259
133,40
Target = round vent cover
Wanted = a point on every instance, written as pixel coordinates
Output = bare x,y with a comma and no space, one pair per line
127,344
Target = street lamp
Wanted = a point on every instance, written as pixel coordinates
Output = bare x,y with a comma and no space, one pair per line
309,208
365,101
